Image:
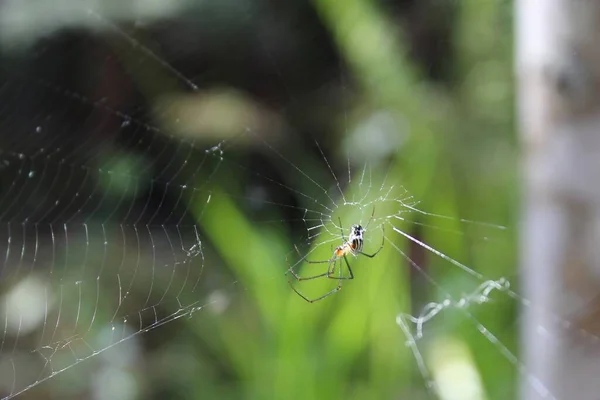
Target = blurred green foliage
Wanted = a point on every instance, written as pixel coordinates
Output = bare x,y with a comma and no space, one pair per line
459,161
457,157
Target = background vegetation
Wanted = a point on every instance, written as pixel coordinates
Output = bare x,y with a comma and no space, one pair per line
439,76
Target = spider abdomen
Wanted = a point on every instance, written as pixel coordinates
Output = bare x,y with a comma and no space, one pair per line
356,246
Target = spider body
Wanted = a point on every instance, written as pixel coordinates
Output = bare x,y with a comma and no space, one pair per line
352,246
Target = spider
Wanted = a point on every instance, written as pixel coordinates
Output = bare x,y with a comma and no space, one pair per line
352,246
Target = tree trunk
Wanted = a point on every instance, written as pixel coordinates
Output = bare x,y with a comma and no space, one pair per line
558,66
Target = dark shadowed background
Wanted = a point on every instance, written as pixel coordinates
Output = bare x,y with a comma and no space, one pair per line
160,160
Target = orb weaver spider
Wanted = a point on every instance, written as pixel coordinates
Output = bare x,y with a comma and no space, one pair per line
352,246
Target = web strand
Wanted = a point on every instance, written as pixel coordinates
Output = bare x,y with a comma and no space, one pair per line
112,241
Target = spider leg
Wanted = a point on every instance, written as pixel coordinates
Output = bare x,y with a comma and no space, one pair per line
380,247
336,289
299,278
370,255
370,219
307,278
342,230
331,271
332,291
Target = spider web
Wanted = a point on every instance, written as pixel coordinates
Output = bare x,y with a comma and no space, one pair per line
368,198
113,226
97,248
